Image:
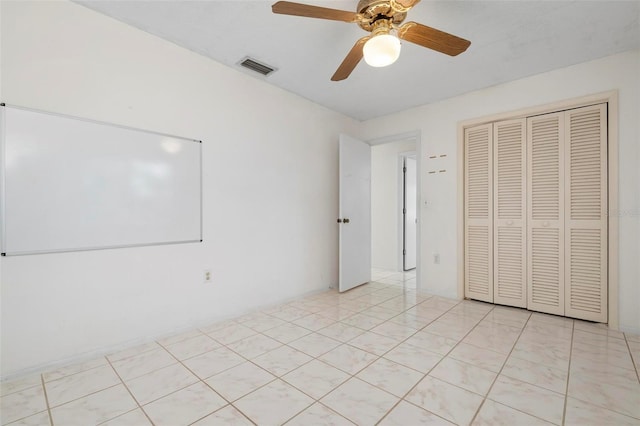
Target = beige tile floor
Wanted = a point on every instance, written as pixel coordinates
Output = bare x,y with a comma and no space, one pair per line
378,354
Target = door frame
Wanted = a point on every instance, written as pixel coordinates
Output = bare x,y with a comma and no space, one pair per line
415,135
611,98
402,158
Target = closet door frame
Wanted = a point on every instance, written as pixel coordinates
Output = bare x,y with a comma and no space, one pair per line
611,98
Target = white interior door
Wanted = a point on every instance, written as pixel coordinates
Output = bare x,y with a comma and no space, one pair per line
354,218
410,213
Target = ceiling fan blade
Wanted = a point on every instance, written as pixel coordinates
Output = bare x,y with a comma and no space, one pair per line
353,57
299,9
433,39
405,4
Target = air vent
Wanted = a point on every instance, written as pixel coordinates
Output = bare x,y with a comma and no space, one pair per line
256,66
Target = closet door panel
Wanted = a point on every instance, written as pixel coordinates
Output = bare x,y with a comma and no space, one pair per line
478,217
586,207
509,212
545,214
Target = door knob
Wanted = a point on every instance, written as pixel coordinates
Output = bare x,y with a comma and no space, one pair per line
345,220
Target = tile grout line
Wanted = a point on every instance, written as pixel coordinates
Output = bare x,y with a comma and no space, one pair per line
203,381
486,396
582,330
313,358
566,390
231,403
118,416
84,396
399,343
133,355
71,374
330,409
130,393
451,350
45,394
435,365
280,377
633,360
46,399
248,360
531,384
276,377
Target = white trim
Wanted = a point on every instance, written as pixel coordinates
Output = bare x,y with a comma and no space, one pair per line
613,178
611,98
3,214
406,136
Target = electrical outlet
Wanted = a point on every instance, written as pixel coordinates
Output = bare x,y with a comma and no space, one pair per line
207,276
436,259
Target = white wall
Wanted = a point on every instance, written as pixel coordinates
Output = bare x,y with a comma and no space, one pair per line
438,126
270,188
386,193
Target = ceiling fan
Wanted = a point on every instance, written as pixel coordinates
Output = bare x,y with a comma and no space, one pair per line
382,18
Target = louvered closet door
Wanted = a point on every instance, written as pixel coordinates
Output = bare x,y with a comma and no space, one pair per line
478,213
509,211
545,213
585,219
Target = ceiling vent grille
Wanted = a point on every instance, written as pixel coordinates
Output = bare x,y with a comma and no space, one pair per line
256,66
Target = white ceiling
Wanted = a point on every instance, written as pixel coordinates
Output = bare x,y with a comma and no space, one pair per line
509,40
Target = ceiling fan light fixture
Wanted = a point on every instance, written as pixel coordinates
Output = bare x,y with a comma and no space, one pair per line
381,50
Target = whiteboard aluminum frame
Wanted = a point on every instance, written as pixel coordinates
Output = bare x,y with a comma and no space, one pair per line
3,243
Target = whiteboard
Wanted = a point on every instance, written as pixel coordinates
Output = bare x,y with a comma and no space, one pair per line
70,184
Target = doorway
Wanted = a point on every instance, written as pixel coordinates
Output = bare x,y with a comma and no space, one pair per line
394,213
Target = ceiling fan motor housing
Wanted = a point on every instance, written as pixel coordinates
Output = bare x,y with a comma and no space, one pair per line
375,10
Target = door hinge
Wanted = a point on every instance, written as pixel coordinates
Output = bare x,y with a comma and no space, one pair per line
404,170
404,211
404,252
